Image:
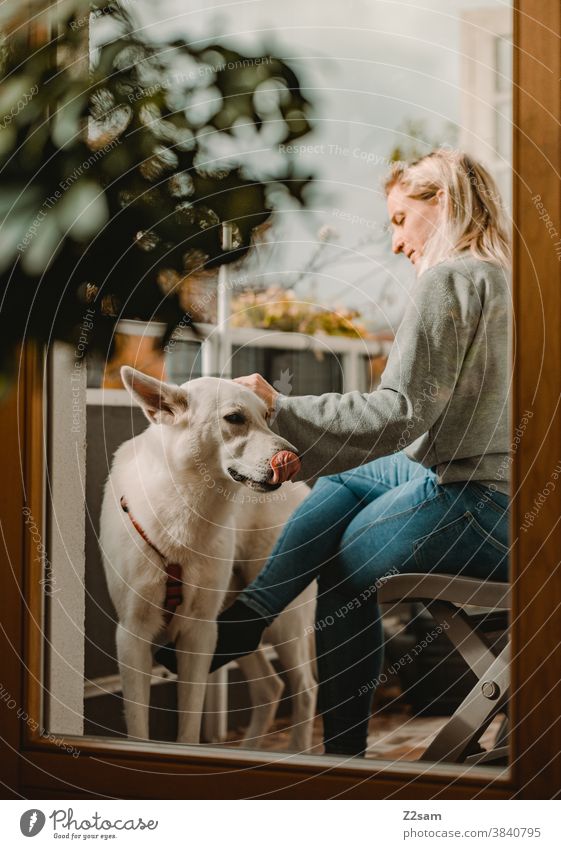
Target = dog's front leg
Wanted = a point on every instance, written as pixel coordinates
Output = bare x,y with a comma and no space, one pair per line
195,647
135,664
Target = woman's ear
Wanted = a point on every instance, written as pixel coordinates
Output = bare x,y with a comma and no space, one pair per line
160,402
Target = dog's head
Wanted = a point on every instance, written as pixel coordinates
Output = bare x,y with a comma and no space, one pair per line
216,426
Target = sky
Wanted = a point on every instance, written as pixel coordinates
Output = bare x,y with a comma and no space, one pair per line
370,67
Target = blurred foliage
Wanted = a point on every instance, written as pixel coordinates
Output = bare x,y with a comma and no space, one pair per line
121,163
276,308
415,141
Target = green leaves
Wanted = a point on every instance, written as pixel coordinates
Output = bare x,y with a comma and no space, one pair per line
83,210
120,168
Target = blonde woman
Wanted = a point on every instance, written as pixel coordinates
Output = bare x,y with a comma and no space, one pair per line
414,476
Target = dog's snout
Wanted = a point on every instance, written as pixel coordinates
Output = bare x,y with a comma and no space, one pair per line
285,465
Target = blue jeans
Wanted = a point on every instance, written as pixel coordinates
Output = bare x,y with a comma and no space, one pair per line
385,517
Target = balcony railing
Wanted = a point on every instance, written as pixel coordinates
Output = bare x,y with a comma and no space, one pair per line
302,363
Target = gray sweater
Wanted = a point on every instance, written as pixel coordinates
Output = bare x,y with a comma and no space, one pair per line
443,396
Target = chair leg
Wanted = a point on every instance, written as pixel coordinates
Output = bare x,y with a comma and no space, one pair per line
460,631
472,717
499,753
498,757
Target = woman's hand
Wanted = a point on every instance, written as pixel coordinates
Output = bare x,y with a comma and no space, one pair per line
261,388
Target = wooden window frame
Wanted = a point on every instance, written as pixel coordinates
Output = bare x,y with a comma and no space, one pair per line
36,767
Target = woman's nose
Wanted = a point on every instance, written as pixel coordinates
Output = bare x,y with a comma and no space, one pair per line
397,244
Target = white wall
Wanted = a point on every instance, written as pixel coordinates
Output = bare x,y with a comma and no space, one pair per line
65,505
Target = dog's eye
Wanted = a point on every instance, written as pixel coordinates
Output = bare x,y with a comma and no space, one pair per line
235,418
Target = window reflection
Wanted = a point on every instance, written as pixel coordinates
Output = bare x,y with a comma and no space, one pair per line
381,91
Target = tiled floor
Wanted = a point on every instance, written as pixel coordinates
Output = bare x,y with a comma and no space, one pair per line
395,734
392,736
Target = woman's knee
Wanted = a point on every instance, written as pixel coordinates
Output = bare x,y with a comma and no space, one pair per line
365,559
351,576
327,480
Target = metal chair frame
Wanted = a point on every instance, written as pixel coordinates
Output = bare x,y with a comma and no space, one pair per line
445,597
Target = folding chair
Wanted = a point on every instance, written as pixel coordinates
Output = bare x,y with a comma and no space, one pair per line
445,597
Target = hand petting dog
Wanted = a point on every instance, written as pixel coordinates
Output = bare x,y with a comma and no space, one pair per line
262,389
285,464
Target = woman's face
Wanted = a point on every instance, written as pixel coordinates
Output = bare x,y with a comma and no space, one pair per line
413,222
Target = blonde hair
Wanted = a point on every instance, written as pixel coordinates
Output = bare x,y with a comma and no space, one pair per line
473,214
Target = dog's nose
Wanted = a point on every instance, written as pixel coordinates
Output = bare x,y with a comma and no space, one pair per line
285,464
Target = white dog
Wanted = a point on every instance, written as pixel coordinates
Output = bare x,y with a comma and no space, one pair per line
178,504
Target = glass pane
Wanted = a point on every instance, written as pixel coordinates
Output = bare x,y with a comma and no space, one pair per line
183,361
503,64
503,119
183,488
306,373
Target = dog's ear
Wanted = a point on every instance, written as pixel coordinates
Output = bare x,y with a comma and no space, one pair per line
161,403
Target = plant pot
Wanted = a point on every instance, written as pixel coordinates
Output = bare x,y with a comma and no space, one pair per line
137,344
198,296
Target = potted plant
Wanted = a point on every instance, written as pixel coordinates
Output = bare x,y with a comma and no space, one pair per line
111,185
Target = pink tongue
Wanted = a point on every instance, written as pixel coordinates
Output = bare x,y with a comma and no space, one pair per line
285,464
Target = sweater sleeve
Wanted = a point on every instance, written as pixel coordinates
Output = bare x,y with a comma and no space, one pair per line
334,432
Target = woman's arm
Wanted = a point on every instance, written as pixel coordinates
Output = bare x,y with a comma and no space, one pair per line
335,432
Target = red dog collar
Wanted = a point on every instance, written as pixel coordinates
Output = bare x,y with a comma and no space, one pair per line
174,592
